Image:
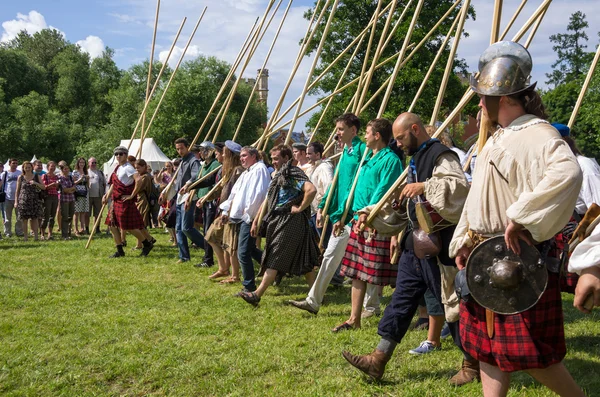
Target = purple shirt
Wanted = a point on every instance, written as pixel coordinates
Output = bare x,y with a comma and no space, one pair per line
66,182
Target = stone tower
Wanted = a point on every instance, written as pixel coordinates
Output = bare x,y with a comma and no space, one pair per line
263,85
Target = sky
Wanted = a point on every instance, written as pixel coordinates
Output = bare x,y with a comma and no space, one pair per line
127,25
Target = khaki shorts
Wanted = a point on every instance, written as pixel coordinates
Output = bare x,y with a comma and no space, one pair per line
231,233
214,234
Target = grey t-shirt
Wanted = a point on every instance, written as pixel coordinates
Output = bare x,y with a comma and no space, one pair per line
11,184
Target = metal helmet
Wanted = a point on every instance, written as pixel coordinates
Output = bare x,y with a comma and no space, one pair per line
504,69
503,282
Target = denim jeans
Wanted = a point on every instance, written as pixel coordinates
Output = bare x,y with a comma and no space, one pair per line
246,250
209,210
184,227
415,276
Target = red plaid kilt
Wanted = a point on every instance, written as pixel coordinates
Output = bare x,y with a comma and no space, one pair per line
532,339
123,214
369,260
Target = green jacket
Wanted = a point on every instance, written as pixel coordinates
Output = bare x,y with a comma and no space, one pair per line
348,166
376,177
207,184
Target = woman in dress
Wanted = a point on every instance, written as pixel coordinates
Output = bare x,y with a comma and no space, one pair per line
82,203
167,213
27,199
142,189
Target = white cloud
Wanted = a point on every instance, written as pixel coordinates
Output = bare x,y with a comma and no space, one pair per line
31,23
192,52
93,45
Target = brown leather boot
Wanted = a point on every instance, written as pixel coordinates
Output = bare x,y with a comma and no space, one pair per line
467,374
372,364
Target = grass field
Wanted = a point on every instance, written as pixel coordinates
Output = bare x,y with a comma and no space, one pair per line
75,323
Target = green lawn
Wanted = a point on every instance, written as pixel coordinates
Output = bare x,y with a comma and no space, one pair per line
75,323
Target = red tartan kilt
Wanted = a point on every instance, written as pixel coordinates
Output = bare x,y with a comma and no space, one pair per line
125,215
532,339
369,261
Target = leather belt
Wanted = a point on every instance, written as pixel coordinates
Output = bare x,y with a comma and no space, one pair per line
477,239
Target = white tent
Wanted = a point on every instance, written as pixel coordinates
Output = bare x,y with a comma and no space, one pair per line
150,152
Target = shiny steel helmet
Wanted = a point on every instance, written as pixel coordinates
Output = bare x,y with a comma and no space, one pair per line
504,69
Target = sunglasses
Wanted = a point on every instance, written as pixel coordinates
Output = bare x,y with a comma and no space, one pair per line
93,162
120,154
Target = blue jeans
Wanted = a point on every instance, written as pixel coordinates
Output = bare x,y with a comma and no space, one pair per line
415,276
184,227
246,250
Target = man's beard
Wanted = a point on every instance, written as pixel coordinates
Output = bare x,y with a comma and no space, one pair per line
413,146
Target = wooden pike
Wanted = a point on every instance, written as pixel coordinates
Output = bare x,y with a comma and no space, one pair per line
312,69
283,18
469,93
433,65
398,61
535,27
584,89
514,18
363,70
253,48
450,63
496,21
139,153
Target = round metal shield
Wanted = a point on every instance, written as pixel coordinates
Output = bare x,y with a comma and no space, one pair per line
504,282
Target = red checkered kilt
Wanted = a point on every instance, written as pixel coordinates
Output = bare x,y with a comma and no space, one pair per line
123,214
532,339
369,260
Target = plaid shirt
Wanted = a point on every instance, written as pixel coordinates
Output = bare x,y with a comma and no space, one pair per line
66,183
47,180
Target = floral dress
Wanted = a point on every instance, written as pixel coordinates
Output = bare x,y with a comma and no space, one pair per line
82,203
30,203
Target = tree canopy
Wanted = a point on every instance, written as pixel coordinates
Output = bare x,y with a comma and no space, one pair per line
58,104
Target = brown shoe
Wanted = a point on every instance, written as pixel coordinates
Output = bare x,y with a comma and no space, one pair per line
372,364
467,374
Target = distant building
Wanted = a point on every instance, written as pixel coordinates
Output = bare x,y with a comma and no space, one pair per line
281,135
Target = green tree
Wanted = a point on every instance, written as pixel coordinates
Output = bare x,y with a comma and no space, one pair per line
20,74
572,58
71,66
350,19
104,77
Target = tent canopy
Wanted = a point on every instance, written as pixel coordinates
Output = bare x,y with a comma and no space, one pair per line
151,153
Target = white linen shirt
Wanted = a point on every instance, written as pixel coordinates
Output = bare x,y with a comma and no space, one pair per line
248,193
125,174
590,189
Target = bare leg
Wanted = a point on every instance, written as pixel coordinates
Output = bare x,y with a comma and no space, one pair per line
34,228
266,282
173,236
223,268
359,288
423,312
310,278
436,323
76,223
137,233
558,379
116,232
495,382
123,235
235,266
25,233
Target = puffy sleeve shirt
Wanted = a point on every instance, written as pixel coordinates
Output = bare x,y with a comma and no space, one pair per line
525,173
248,194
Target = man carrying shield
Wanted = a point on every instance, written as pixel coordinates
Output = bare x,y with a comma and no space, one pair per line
524,190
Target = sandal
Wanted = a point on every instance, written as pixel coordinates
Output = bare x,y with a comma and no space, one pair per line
218,274
345,326
250,297
230,280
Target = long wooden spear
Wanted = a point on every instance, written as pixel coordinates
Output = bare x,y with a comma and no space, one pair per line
399,60
535,27
363,70
433,65
514,17
463,102
450,63
97,223
148,80
256,41
586,84
260,73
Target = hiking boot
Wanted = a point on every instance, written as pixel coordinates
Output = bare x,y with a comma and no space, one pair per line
147,247
304,305
372,364
467,374
120,252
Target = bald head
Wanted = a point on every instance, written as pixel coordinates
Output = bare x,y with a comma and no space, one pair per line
409,132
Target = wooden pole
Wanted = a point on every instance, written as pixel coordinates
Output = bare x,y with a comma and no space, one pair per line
149,75
97,223
330,194
450,63
398,61
514,17
245,65
433,64
316,57
144,133
497,18
463,102
535,28
260,73
584,89
363,70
